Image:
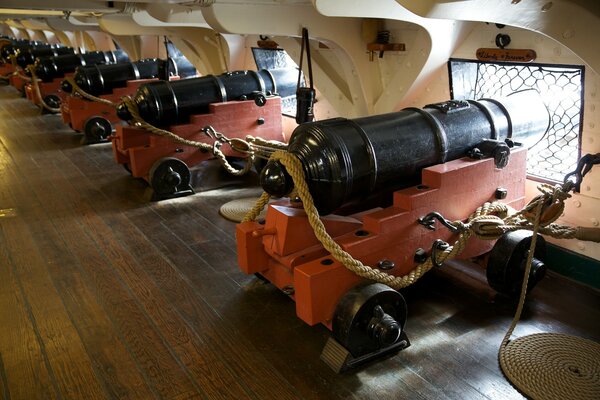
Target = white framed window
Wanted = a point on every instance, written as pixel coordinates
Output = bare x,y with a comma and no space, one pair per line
561,88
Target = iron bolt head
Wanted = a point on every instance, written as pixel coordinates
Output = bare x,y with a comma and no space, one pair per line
420,256
501,193
385,264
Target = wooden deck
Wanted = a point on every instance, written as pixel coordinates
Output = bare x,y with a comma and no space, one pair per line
105,295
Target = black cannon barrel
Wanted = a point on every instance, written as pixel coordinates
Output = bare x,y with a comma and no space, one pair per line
8,49
102,79
168,103
51,67
26,57
346,161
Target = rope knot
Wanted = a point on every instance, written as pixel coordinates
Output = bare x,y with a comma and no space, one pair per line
552,201
487,227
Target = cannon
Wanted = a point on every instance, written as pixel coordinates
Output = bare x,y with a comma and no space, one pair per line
235,103
379,183
52,67
11,47
51,70
102,79
170,103
15,49
27,56
111,82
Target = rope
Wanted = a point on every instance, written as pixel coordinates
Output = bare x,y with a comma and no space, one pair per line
294,168
488,222
254,147
38,93
553,366
17,69
548,365
78,90
542,366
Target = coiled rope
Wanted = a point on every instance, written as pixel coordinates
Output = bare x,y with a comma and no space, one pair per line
254,147
549,365
542,366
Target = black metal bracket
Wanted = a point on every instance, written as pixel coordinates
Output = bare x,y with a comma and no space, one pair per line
450,106
584,166
438,245
502,40
428,221
338,358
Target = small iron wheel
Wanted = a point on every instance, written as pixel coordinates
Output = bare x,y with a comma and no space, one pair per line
369,318
169,175
508,259
96,129
52,100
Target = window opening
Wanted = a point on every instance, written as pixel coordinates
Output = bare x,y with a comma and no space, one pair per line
561,88
277,58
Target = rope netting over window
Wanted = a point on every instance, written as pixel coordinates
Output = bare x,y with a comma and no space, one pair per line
561,88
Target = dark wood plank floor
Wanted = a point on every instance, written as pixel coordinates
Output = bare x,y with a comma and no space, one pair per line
105,295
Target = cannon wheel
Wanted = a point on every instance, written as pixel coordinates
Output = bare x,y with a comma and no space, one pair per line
52,101
368,323
507,261
170,177
96,130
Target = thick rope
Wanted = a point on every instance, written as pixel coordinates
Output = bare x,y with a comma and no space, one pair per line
542,366
78,90
488,222
548,365
38,93
294,168
17,71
